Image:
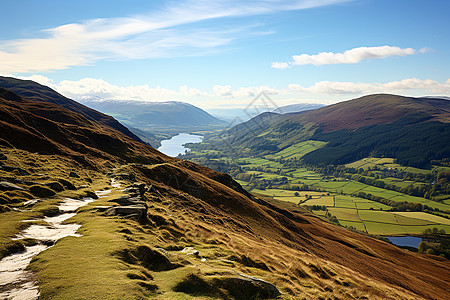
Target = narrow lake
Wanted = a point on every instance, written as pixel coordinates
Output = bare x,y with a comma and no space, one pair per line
174,146
410,241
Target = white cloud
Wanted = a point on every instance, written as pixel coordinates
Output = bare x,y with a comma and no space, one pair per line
226,95
244,92
222,90
99,88
351,56
159,33
426,86
280,65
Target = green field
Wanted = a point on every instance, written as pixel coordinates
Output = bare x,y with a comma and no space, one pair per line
371,162
298,150
268,176
323,200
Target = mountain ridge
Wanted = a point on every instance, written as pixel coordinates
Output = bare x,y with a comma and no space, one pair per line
35,91
145,113
354,121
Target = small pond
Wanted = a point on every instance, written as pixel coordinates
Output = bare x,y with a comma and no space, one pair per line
409,241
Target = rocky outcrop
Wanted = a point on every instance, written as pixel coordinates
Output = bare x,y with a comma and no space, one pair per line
132,205
129,211
7,186
249,287
240,287
41,191
74,175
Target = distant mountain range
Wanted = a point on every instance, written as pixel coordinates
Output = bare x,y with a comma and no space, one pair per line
413,130
154,115
245,114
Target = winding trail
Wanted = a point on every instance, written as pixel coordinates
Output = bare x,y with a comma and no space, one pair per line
18,283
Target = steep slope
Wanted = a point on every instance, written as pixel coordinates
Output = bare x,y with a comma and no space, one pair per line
34,91
385,125
376,110
48,128
187,208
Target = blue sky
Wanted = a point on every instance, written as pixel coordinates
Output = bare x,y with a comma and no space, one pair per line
223,53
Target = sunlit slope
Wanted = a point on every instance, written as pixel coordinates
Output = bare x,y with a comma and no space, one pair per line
413,130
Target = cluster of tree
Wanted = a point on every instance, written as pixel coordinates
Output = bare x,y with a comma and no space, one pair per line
426,190
328,215
316,207
434,184
441,248
262,183
433,230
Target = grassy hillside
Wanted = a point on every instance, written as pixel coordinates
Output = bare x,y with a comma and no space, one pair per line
193,232
34,91
413,130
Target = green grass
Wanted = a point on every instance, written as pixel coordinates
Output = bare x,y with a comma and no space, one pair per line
349,214
378,228
350,209
407,221
425,216
355,224
365,163
378,216
371,162
324,200
367,204
298,150
259,162
344,201
86,262
421,229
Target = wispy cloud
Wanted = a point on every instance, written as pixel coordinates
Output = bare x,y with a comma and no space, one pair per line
351,56
160,33
409,85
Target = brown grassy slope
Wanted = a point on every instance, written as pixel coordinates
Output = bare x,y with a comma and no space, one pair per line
374,110
34,91
268,231
48,128
209,207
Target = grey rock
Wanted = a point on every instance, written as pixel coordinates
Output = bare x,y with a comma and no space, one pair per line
102,208
125,200
21,172
56,186
190,251
8,186
74,175
139,210
125,176
267,289
21,181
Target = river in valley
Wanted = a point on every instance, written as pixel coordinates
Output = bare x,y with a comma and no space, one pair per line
174,146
